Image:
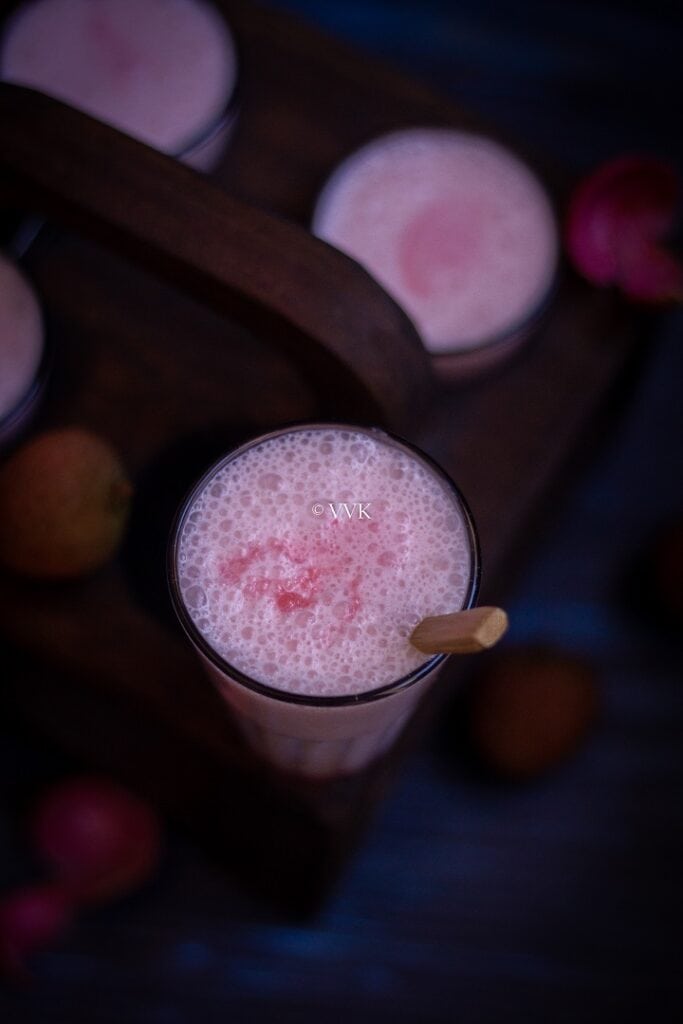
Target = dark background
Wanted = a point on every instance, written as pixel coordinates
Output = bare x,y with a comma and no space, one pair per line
558,900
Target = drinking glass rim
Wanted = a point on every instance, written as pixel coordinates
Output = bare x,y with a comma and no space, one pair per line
286,696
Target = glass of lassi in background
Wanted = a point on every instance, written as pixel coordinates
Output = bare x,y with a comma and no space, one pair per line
457,229
299,566
23,361
163,71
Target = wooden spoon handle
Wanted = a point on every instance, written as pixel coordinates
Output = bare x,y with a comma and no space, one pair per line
350,339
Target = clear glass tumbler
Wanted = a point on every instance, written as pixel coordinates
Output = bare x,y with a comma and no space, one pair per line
326,728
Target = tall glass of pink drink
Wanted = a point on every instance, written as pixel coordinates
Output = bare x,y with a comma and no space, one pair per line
299,566
163,72
458,229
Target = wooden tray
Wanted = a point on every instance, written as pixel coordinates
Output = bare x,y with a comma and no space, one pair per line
183,320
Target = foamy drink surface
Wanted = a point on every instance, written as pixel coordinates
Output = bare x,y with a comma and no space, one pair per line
455,227
161,71
306,561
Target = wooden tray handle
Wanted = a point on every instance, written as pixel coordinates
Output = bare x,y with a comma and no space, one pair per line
357,348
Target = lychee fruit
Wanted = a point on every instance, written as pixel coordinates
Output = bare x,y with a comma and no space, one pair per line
531,709
99,840
618,221
31,918
64,503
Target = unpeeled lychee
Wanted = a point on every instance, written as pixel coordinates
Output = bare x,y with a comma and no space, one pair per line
99,840
30,919
618,221
64,502
531,709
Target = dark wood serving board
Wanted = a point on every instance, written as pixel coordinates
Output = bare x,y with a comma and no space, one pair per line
148,353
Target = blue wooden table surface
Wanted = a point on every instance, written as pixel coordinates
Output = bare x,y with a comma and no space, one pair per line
554,901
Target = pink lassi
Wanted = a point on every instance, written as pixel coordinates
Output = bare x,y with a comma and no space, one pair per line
456,228
21,350
300,566
164,71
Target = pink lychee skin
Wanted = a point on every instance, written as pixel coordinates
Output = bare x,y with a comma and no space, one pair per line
99,840
31,918
617,219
